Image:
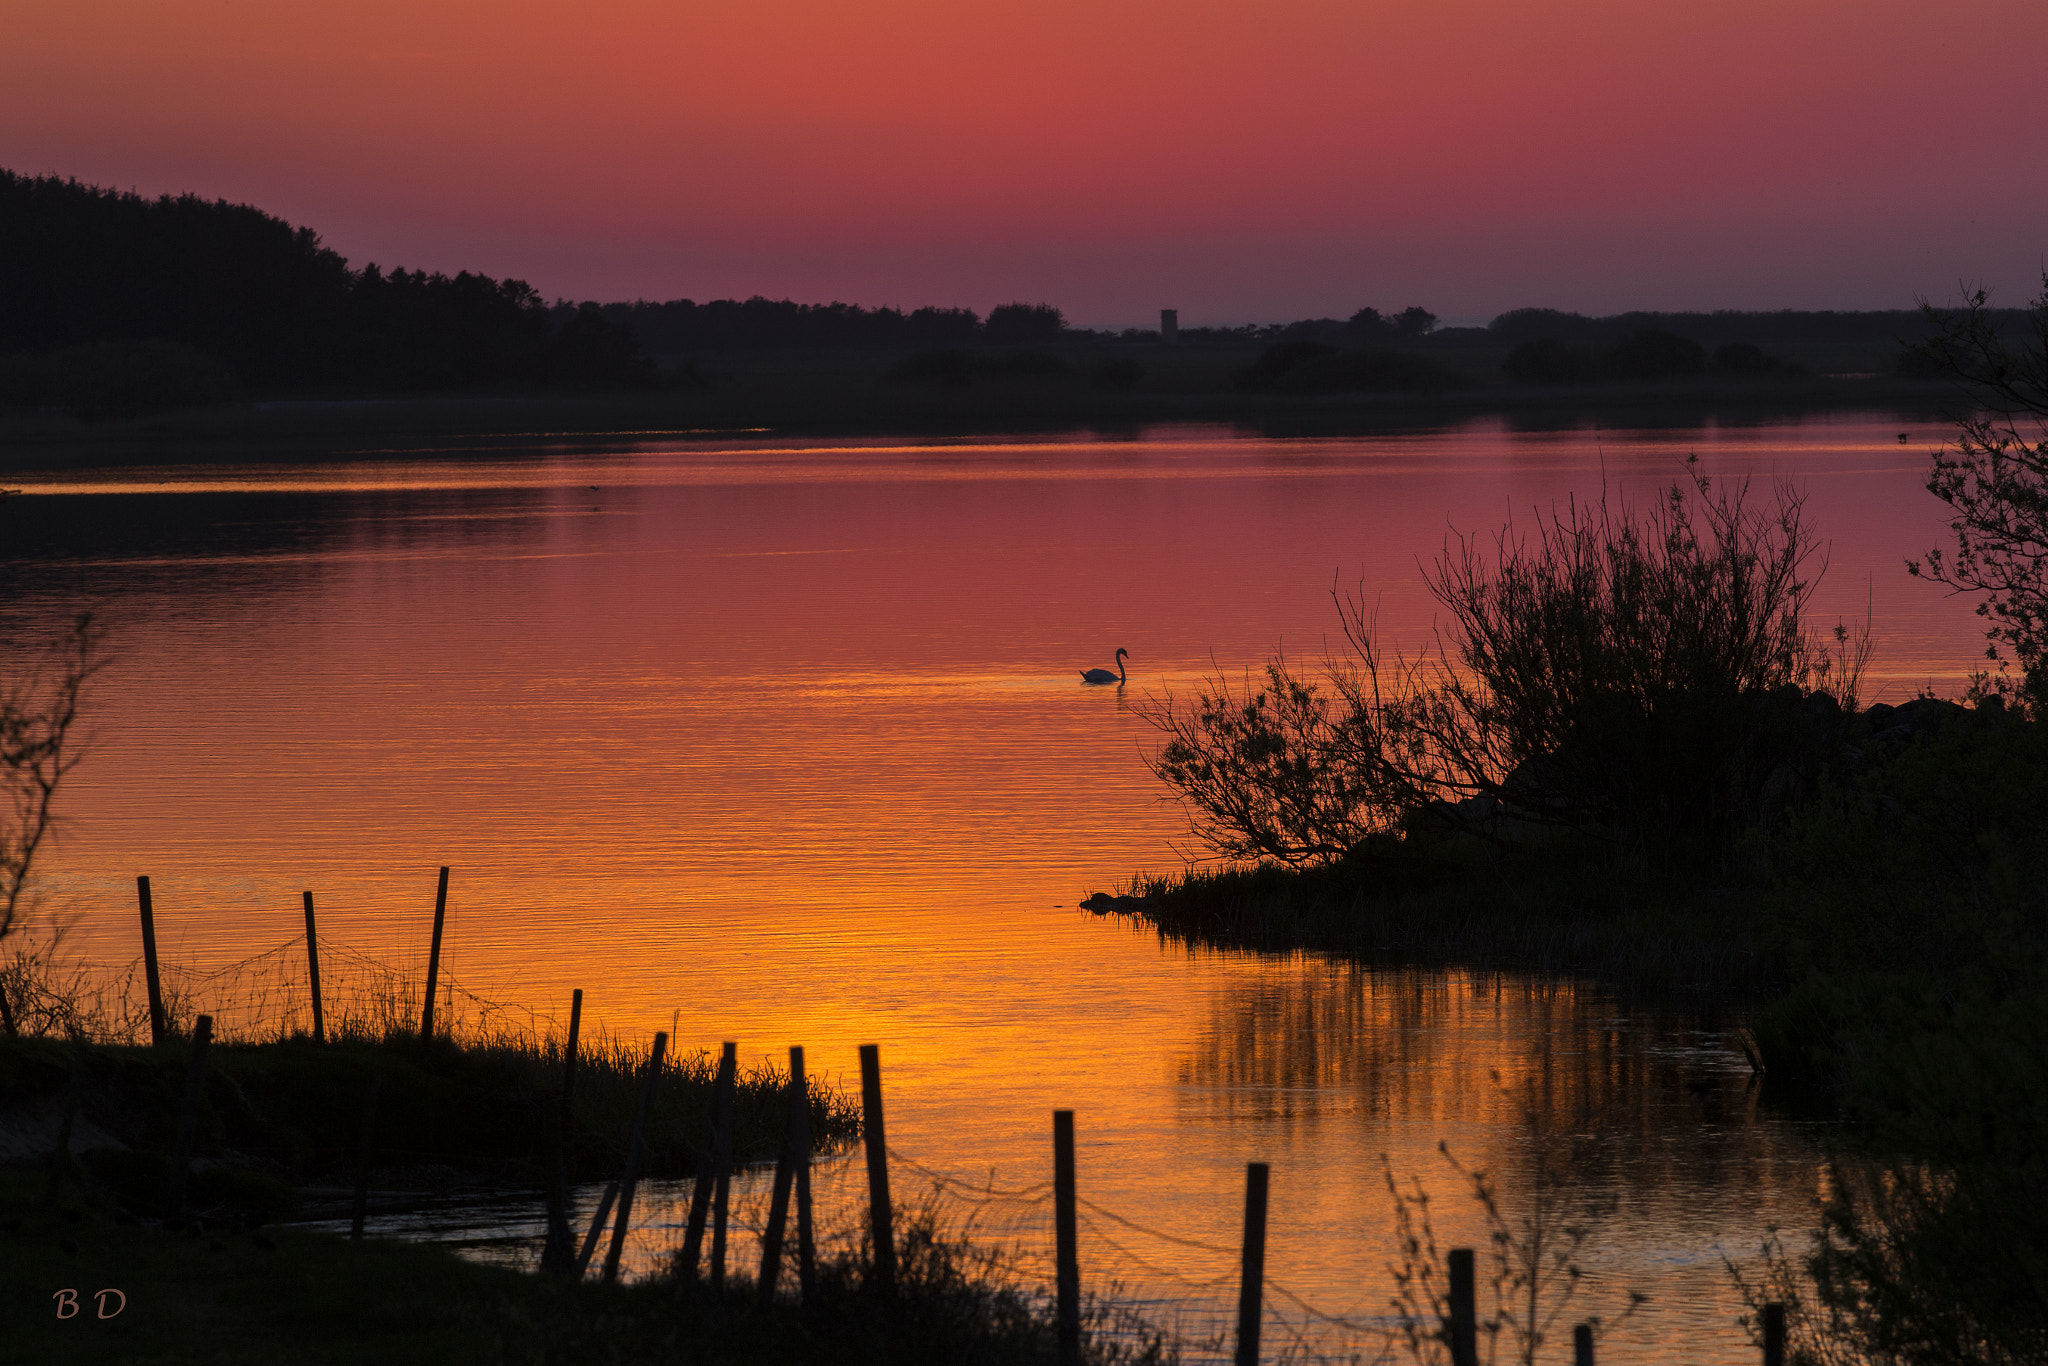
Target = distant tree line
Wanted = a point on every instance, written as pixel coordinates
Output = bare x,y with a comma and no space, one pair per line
762,324
115,304
88,275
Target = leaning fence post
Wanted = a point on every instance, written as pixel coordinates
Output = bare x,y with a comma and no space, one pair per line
1464,1308
604,1207
1066,1236
434,962
880,1224
1774,1334
188,1113
636,1154
700,1195
313,972
1252,1285
156,990
369,1129
1582,1344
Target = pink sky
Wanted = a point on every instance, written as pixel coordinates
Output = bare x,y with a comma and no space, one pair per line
1238,161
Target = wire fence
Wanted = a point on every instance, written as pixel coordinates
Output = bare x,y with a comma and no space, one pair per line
1142,1282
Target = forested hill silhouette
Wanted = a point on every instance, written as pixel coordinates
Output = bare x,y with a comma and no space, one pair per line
112,304
87,273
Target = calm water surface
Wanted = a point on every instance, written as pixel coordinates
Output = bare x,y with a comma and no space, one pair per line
781,741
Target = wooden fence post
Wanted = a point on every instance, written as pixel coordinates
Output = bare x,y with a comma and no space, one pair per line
1252,1283
881,1226
1582,1344
369,1130
188,1113
800,1159
721,1176
560,1253
434,962
1774,1334
636,1155
794,1100
1066,1239
156,990
313,972
604,1207
1464,1309
700,1195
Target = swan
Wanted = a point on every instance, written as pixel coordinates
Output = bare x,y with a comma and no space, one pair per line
1104,675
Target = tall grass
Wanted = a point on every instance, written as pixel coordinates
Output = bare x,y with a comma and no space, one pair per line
478,1102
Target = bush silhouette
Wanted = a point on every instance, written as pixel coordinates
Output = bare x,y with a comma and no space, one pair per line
1023,325
1275,361
1742,359
1653,355
1116,374
117,379
1549,361
948,369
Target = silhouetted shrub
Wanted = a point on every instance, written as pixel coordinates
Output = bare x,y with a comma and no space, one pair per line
1373,371
955,369
1276,361
1023,365
1644,676
949,369
1538,324
1116,374
1415,322
1023,325
1309,367
1654,355
117,379
1370,325
1743,360
1549,361
589,352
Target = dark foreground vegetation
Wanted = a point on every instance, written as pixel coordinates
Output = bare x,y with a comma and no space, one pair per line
1634,755
115,308
249,1292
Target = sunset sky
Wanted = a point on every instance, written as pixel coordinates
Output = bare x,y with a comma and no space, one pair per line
1240,161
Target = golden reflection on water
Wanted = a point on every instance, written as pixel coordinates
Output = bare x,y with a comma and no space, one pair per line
784,742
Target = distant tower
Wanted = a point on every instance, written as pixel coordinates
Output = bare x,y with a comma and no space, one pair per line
1169,326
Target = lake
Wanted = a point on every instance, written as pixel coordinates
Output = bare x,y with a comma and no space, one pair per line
781,740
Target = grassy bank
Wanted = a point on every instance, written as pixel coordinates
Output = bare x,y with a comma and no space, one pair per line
1569,911
280,1296
284,1117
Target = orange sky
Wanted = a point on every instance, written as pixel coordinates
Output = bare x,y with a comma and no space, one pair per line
1242,161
